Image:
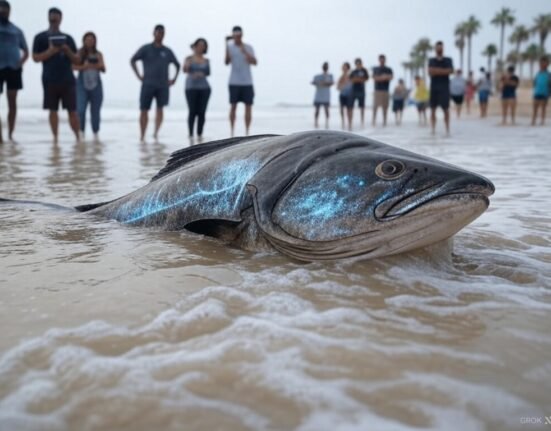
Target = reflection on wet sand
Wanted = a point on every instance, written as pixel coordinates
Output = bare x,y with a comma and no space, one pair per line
106,326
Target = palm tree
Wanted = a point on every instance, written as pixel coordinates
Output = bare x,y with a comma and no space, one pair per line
461,33
531,55
408,67
489,52
421,48
542,26
472,25
520,34
502,19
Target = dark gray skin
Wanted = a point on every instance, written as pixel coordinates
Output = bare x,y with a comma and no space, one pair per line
311,195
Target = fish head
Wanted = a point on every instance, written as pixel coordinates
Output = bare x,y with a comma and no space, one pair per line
366,198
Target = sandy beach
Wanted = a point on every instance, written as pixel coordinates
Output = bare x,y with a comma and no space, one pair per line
108,327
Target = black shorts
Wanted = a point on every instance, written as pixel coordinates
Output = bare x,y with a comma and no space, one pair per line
360,97
13,79
241,93
66,93
148,93
344,100
440,98
397,105
458,100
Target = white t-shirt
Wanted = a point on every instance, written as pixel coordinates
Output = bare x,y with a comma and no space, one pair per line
323,93
240,70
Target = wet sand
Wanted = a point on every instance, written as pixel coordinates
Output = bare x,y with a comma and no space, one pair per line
108,327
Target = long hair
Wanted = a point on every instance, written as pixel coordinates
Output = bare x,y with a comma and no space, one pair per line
85,51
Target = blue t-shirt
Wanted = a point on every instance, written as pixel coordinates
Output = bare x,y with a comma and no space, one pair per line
542,83
12,42
156,60
197,76
58,68
323,92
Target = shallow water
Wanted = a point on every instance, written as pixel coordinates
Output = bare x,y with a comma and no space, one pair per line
107,327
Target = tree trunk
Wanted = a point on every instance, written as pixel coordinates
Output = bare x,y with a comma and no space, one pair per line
469,52
532,69
490,63
501,46
461,57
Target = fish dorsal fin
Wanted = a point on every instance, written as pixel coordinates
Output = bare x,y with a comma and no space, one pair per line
185,155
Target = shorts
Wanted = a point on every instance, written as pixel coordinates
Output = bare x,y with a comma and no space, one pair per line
483,96
148,93
508,97
360,97
345,100
54,93
13,78
458,100
241,93
397,105
440,98
421,106
318,104
381,99
541,97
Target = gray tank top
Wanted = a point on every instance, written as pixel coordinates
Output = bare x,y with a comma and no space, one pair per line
198,82
90,77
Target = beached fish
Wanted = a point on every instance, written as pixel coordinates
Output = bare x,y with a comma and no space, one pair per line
311,195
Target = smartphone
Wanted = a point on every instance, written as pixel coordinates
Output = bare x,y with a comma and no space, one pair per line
93,60
229,37
58,40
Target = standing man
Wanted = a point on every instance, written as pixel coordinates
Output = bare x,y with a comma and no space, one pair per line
440,68
323,83
155,58
12,43
359,77
57,52
241,56
382,75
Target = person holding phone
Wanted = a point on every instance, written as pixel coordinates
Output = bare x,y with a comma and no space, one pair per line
57,52
89,87
241,56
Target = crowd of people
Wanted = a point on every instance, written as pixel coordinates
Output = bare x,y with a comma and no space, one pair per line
60,58
446,84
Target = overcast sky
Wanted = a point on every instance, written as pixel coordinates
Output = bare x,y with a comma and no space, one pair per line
291,38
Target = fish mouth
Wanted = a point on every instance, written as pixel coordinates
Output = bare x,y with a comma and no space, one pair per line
475,188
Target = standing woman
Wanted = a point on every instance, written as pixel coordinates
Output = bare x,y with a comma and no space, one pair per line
345,94
197,68
89,88
484,90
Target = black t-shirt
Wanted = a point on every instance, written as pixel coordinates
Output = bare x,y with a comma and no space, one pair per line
510,90
58,68
359,73
378,71
440,82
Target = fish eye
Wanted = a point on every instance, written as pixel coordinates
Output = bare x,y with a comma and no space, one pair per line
390,169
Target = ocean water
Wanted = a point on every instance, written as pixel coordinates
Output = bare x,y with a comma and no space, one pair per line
109,327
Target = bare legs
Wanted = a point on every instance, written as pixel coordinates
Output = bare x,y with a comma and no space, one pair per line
54,124
143,125
158,122
12,112
539,104
326,110
433,120
248,118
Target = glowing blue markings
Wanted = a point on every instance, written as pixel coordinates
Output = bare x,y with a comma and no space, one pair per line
218,197
323,208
